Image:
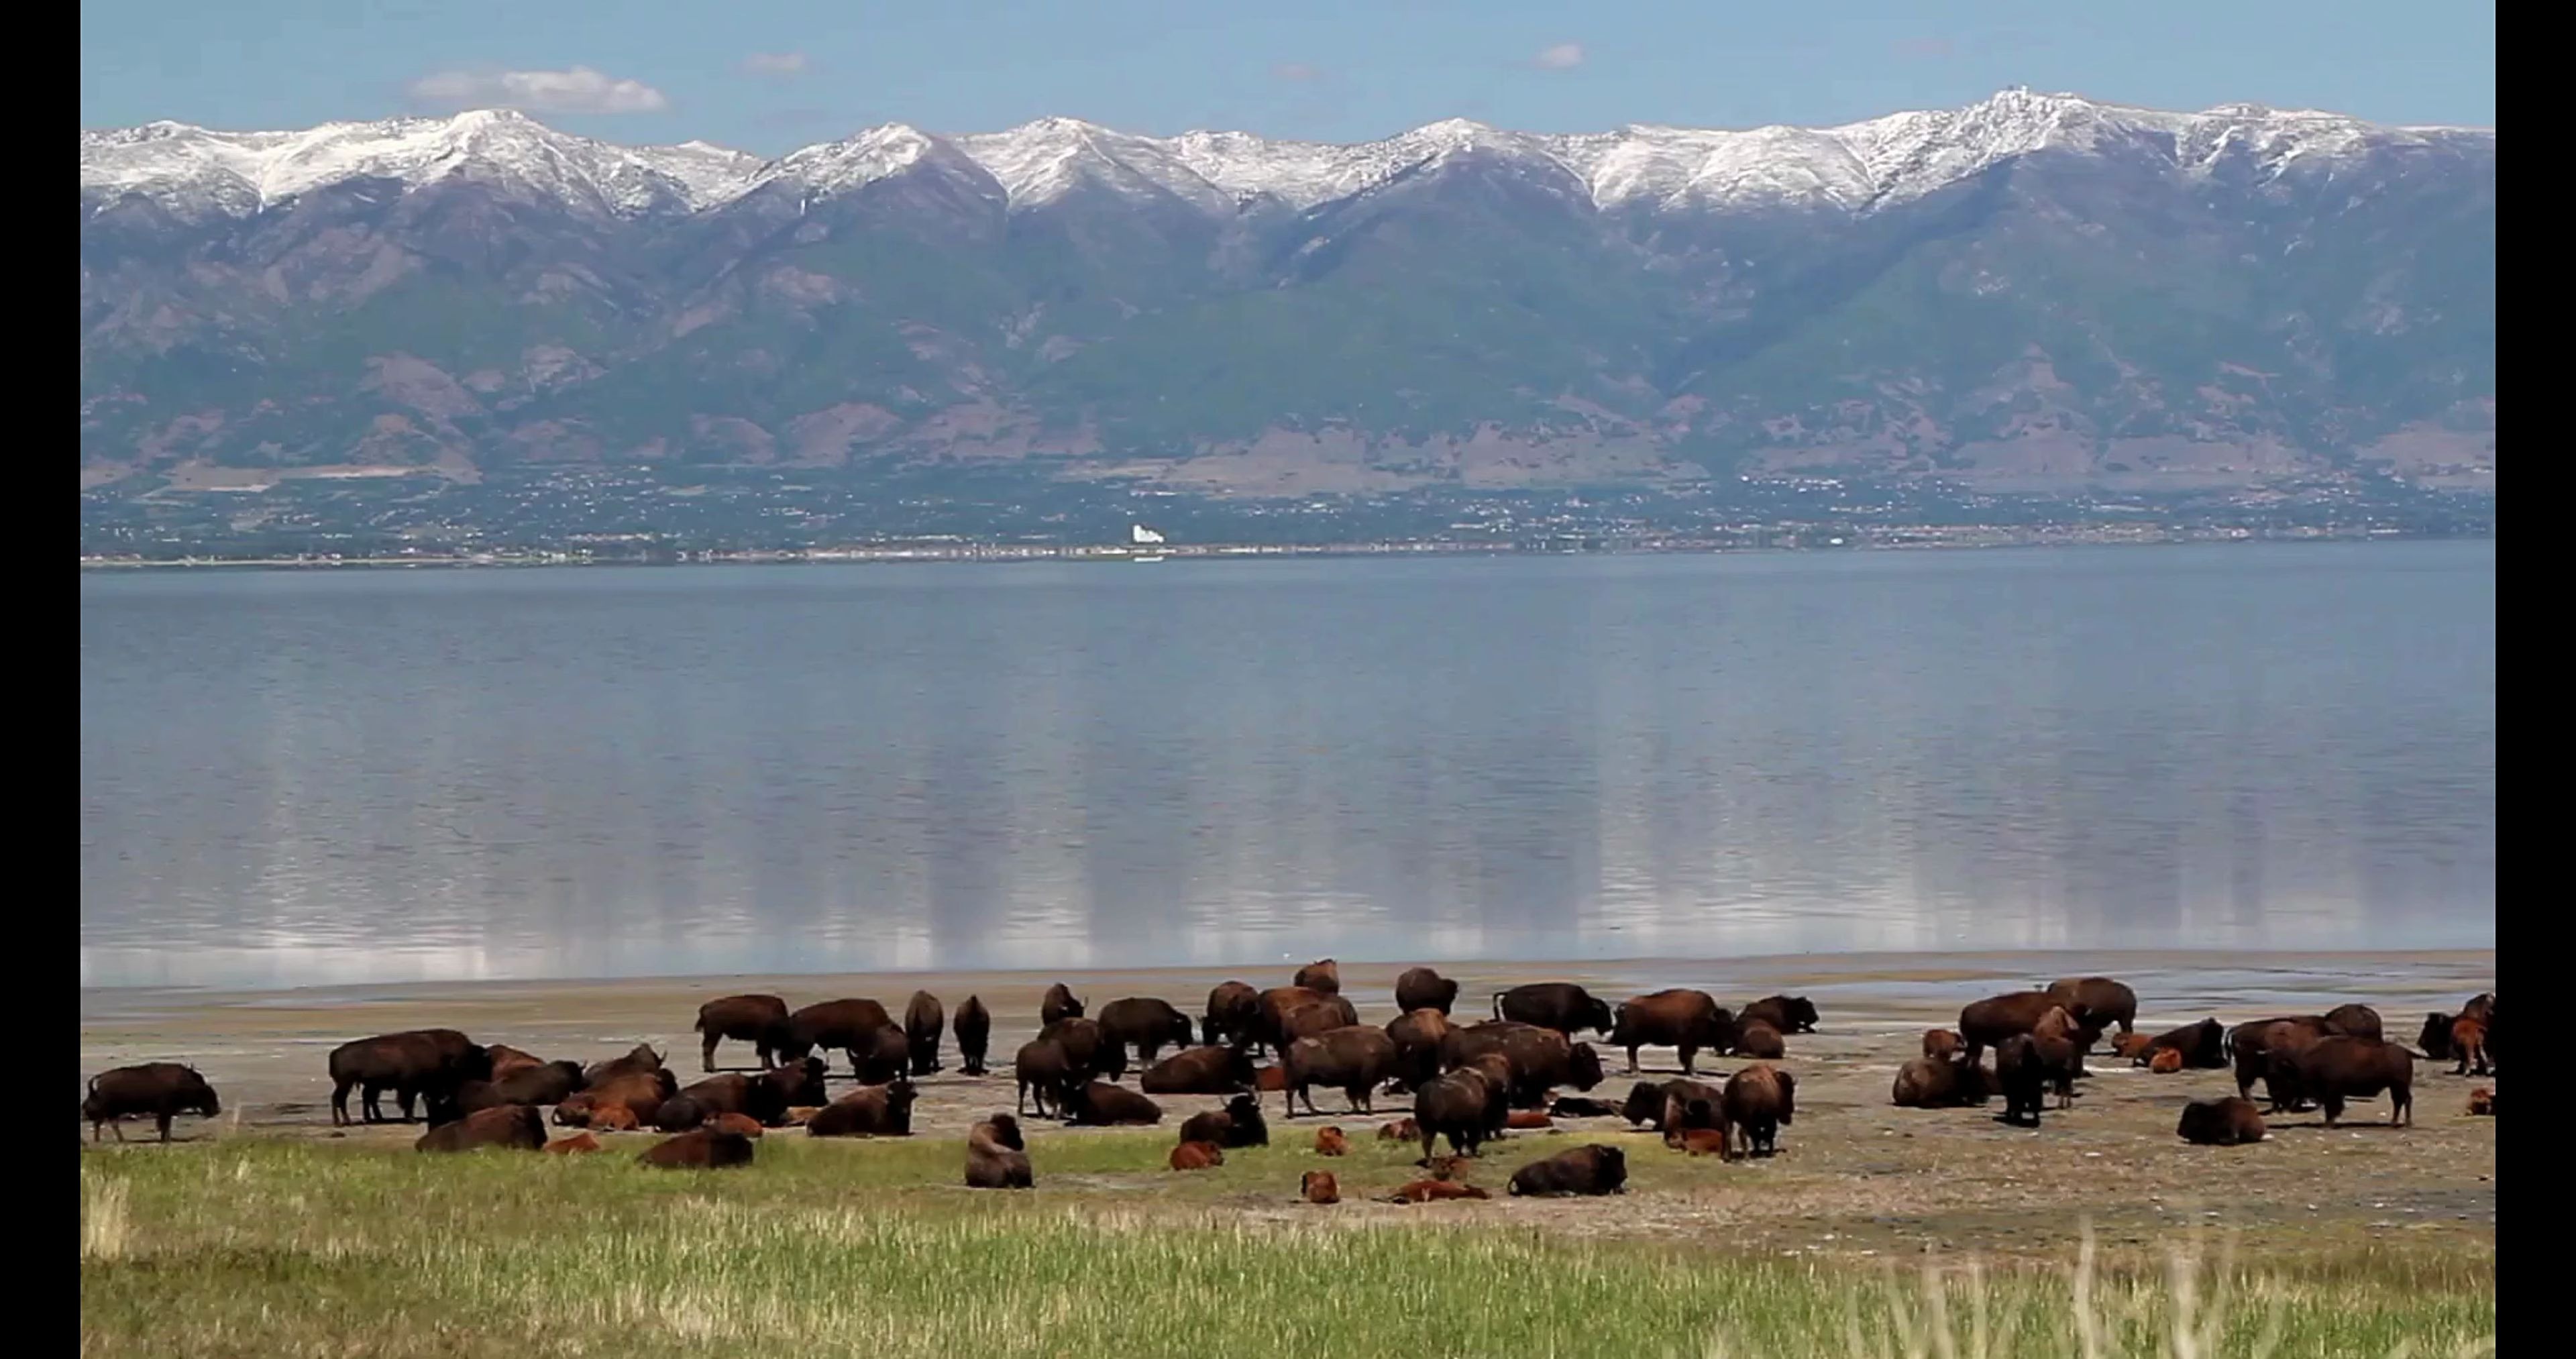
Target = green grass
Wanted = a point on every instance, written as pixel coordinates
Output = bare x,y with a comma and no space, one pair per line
262,1247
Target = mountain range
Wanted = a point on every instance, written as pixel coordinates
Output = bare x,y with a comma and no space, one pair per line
2036,291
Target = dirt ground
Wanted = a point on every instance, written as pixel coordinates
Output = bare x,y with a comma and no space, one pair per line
1854,1174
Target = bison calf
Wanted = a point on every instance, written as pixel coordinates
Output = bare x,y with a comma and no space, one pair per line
2165,1062
573,1145
1401,1130
2482,1102
1197,1156
1331,1142
1319,1186
1431,1191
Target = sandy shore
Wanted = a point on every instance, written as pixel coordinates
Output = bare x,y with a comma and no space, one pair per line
1855,1172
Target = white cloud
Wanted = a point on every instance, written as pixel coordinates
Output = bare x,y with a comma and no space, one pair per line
776,65
1565,56
579,90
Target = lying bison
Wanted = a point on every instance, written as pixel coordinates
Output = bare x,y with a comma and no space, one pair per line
1941,1083
550,1083
996,1156
704,1149
1100,1104
1562,1006
1595,1169
416,1064
869,1111
754,1019
1788,1014
2225,1122
512,1126
1199,1071
1759,1041
1233,1014
974,1030
640,1060
159,1090
1238,1124
1146,1024
1690,1021
1420,988
923,1018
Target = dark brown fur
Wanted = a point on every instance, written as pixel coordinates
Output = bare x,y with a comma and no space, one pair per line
1354,1057
1788,1014
923,1020
1101,1104
704,1149
1319,1187
1059,1004
1689,1021
974,1030
996,1157
515,1127
1562,1006
756,1019
1199,1071
1233,1014
1323,975
1147,1024
869,1111
2099,1001
158,1090
1420,988
1594,1169
2225,1122
1758,1102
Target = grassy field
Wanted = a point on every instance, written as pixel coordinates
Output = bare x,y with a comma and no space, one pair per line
277,1247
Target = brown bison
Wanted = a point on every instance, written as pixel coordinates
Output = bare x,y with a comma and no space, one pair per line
679,1113
2354,1021
2023,1076
1100,1104
1401,1130
1197,1156
1462,1106
1270,1026
2482,1103
2099,1001
883,1056
765,1098
974,1030
507,1060
545,1083
1580,1106
1528,1120
1323,975
869,1111
609,1118
416,1064
1087,1046
512,1126
640,1060
2338,1068
1664,1105
1059,1004
923,1019
2252,1044
161,1090
1199,1071
1595,1169
1331,1142
1940,1083
2165,1061
1689,1021
2225,1122
1354,1057
996,1156
2203,1046
1701,1142
2135,1046
755,1019
574,1145
1306,1021
1420,988
1788,1014
2469,1042
1147,1024
737,1123
1985,1023
1238,1124
1269,1080
1046,1073
1233,1015
2435,1037
1418,1035
1761,1042
703,1149
1758,1102
1430,1191
848,1025
641,1093
1942,1042
1541,1058
1319,1186
1562,1006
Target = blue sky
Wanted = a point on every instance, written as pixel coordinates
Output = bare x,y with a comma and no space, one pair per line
770,76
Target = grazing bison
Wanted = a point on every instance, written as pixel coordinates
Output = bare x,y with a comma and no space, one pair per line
1689,1021
1319,1186
679,1113
1270,1027
1087,1046
1146,1023
1652,1103
640,1059
1059,1004
1197,1156
923,1018
1101,1104
2338,1068
1595,1169
1758,1102
1233,1014
1420,988
162,1090
996,1157
1562,1006
703,1149
2225,1122
1788,1014
1238,1124
2099,1002
2022,1075
2354,1021
2469,1041
1323,975
2482,1103
847,1025
2203,1046
1331,1142
2165,1061
416,1064
1988,1022
1460,1106
1355,1057
974,1030
512,1126
869,1111
574,1145
1577,1106
1942,1042
1418,1035
1940,1083
755,1019
1760,1041
1199,1071
882,1056
2251,1046
1429,1191
1046,1073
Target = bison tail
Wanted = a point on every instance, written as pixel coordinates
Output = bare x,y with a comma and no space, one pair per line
1498,1005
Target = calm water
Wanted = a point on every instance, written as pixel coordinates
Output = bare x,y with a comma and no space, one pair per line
298,778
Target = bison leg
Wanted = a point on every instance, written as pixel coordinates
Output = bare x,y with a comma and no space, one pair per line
1358,1095
2401,1106
707,1052
2334,1109
117,1125
163,1121
1689,1054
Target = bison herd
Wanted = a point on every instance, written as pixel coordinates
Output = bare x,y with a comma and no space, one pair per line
1468,1083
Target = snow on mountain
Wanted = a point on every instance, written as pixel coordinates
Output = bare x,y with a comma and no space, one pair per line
1854,168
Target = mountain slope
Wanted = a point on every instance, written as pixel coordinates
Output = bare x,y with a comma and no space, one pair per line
2034,291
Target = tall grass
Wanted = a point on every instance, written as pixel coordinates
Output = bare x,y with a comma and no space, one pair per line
278,1249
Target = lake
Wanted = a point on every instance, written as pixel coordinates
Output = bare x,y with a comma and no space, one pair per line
327,777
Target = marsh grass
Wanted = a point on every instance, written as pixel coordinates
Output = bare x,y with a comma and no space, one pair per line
276,1248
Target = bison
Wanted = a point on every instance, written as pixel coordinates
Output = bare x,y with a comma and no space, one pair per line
1562,1006
1233,1014
1323,975
546,1083
1594,1169
755,1019
1420,988
1401,1130
2225,1122
574,1145
1199,1071
414,1064
923,1018
2203,1046
1428,1191
847,1025
1988,1022
1319,1186
883,1056
1306,1021
2099,1002
974,1029
1101,1104
1689,1021
1459,1106
1087,1046
1578,1106
2482,1103
2022,1074
1355,1057
1940,1083
1418,1035
996,1156
1942,1042
1238,1124
1046,1072
2435,1037
2165,1061
703,1149
1146,1023
2354,1021
512,1126
2469,1042
869,1111
1331,1142
1542,1058
1761,1042
640,1059
641,1093
507,1060
1788,1014
2340,1067
679,1113
2251,1046
1652,1103
1058,1004
1758,1102
737,1123
162,1090
1197,1156
1270,1025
